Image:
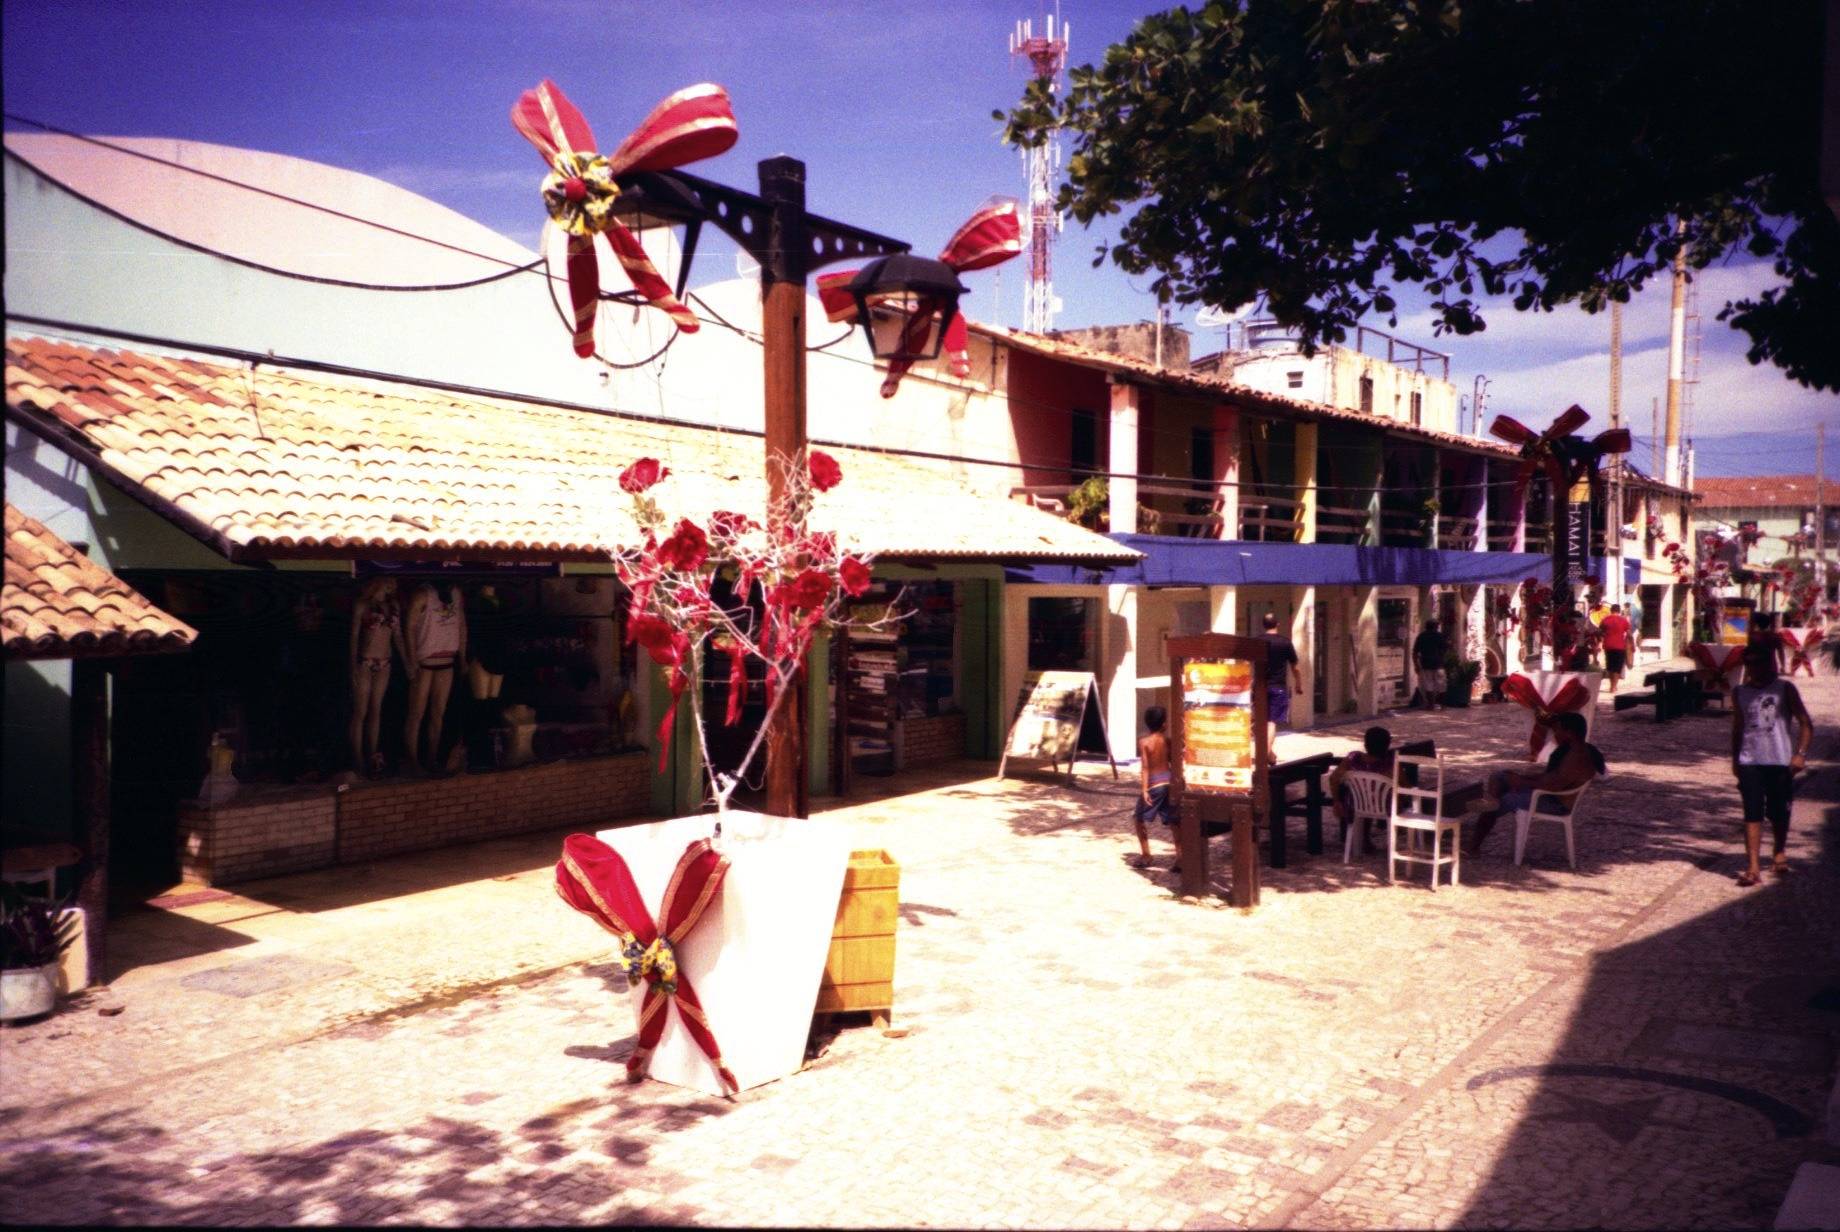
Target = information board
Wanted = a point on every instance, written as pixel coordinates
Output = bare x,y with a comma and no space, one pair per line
1218,745
1054,709
1735,621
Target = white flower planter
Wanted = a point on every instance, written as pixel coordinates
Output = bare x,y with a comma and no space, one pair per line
27,992
757,955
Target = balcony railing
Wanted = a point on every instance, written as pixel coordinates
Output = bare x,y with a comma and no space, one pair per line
1457,534
1501,538
1342,523
1187,510
1267,516
1402,528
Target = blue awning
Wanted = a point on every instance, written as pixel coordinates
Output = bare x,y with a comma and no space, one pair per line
1171,561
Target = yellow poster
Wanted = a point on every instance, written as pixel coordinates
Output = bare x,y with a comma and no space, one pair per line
1217,737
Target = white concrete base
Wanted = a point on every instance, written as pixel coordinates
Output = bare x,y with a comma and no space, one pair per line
757,956
1813,1200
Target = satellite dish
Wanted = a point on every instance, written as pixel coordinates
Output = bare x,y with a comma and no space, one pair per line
1215,317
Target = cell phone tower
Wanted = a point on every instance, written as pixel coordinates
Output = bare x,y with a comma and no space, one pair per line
1041,222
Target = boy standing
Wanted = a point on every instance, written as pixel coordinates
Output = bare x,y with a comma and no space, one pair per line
1761,757
1153,782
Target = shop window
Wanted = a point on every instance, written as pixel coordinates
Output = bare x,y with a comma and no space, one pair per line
1061,635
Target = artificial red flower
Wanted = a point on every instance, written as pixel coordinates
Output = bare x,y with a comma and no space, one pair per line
853,575
731,525
825,473
808,590
665,644
643,474
821,544
686,549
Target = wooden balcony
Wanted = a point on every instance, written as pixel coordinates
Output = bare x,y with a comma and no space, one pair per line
1457,534
1501,538
1403,528
1266,515
1189,510
1342,523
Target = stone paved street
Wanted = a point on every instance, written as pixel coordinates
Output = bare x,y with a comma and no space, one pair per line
1639,1043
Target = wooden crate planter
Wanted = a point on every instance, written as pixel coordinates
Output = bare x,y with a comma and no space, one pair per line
859,972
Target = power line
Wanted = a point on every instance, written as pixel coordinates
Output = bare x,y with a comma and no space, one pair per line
259,359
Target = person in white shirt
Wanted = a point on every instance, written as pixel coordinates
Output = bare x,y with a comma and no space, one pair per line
1762,759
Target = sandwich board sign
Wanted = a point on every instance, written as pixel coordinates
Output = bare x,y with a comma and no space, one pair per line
1058,715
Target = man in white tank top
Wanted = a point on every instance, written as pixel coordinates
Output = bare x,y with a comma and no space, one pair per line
1762,708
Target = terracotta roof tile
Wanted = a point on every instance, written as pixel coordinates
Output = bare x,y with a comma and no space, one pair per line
282,463
58,604
1762,492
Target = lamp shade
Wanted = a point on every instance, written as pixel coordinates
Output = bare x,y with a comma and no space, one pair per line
904,303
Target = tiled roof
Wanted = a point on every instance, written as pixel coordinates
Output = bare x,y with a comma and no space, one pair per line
1763,492
266,462
1210,385
58,604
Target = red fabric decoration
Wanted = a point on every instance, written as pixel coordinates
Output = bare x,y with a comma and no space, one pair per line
1714,663
592,878
669,648
989,237
853,576
1570,698
1800,649
582,186
686,549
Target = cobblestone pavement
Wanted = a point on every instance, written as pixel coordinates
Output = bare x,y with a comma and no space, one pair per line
1638,1043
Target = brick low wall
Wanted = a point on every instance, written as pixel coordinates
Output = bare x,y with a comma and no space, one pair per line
261,836
939,737
271,833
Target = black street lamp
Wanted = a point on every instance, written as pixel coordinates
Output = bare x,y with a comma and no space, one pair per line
904,303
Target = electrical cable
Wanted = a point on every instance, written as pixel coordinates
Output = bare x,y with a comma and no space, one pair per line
475,391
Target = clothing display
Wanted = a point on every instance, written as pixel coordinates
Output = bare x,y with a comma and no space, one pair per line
437,632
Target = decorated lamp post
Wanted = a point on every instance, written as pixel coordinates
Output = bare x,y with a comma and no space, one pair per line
1571,465
904,311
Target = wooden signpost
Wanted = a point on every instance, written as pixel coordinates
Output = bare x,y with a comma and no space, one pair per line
1218,750
1051,714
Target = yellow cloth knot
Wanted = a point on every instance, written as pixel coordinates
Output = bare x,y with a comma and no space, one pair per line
656,962
579,194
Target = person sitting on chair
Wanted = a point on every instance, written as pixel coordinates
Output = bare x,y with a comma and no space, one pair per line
1573,763
1375,756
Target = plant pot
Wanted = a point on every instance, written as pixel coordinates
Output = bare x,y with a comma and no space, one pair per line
28,992
757,955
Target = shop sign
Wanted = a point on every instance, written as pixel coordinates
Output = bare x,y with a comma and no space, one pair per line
1577,541
1051,715
1218,751
1734,622
456,568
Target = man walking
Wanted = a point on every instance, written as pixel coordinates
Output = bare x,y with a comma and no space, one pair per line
1281,672
1761,757
1615,632
1428,651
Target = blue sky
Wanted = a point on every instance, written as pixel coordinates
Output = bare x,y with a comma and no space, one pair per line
889,105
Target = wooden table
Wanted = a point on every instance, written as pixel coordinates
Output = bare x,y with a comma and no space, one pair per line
1309,771
1676,693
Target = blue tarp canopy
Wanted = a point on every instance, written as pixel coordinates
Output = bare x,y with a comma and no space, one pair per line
1171,561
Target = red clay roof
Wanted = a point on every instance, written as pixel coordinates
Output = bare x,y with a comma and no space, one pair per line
59,604
1762,492
264,462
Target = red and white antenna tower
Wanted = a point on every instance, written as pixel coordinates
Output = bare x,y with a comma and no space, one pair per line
1047,57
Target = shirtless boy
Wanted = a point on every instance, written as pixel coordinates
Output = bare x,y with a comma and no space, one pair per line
1153,781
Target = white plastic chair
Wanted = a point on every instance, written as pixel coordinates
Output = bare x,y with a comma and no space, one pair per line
1419,809
1524,819
1371,798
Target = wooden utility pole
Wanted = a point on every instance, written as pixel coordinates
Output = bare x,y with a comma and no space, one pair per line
1820,513
1613,495
782,278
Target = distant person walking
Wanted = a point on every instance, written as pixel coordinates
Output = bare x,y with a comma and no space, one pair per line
1428,650
1763,757
1615,631
1281,673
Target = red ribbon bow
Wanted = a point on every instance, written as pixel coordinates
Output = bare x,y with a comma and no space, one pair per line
1570,698
1714,668
989,237
1800,643
592,878
690,124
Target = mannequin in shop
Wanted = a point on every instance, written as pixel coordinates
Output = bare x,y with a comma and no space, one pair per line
376,635
486,660
434,633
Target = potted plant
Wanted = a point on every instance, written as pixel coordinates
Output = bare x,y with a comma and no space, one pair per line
1089,504
1459,679
34,933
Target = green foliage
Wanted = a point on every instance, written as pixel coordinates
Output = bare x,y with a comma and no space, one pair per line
31,932
1088,504
1324,152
